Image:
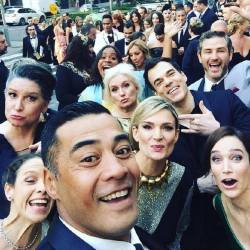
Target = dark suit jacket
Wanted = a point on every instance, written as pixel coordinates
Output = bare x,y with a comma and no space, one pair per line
59,237
227,109
28,50
4,72
183,42
208,18
120,45
191,66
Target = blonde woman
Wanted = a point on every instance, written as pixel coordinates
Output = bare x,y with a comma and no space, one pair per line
165,187
121,92
237,26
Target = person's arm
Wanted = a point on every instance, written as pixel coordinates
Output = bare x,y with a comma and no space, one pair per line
167,45
67,35
244,12
24,48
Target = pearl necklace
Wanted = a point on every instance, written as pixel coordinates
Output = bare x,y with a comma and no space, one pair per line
12,244
155,180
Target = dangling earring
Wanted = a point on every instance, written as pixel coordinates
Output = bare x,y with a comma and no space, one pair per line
42,117
9,198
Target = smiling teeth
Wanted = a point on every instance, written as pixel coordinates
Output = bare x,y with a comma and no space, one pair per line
38,201
115,195
172,90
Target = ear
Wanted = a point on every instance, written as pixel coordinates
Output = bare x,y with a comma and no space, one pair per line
199,57
9,191
176,135
135,133
50,184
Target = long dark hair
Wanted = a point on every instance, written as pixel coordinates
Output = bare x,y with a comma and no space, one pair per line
218,135
77,52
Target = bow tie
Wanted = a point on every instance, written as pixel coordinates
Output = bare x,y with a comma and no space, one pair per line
33,37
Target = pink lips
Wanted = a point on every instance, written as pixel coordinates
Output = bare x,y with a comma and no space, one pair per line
157,148
17,117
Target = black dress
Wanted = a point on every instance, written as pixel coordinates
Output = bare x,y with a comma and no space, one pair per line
238,58
70,82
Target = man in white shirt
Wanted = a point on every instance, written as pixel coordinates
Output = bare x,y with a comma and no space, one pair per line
215,52
108,35
93,179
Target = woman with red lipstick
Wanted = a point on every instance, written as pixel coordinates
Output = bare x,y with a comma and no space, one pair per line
121,93
23,183
227,156
165,187
28,91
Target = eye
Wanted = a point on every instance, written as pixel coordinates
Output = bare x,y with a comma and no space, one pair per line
12,94
146,126
215,159
114,90
124,152
31,98
30,180
90,159
127,84
237,158
158,83
168,128
114,58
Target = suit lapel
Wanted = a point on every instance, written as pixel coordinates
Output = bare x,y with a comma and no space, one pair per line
60,237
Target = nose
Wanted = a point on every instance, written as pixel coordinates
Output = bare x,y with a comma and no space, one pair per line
40,187
214,55
113,168
121,92
226,167
157,134
19,104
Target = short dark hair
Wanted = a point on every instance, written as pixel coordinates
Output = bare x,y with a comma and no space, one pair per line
205,2
167,6
190,5
50,141
218,135
39,73
86,28
137,35
10,173
144,8
159,29
129,24
211,34
107,16
152,62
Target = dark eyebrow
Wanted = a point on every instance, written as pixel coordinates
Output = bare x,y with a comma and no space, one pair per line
82,144
121,137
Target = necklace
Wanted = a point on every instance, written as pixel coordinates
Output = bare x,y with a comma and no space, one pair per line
11,244
151,181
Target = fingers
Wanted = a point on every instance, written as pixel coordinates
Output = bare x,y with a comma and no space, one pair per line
189,116
203,108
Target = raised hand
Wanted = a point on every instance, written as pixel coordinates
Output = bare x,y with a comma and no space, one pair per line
203,123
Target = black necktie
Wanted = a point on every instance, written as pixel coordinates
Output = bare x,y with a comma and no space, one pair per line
111,38
138,246
219,86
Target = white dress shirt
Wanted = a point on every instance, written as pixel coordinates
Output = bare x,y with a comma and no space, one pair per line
105,244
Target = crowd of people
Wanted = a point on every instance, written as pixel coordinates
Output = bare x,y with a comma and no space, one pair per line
149,147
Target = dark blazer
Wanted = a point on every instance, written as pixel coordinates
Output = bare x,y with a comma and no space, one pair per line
120,45
227,109
191,66
4,72
59,237
183,42
208,18
28,50
190,15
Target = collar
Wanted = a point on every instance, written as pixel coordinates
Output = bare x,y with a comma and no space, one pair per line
208,84
204,11
33,37
105,244
184,27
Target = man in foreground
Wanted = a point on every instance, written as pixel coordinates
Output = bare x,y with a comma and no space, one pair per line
93,178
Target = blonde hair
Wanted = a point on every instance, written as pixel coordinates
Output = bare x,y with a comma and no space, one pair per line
147,108
141,45
234,23
120,69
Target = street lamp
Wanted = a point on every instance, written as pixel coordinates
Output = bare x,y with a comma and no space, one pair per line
5,27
